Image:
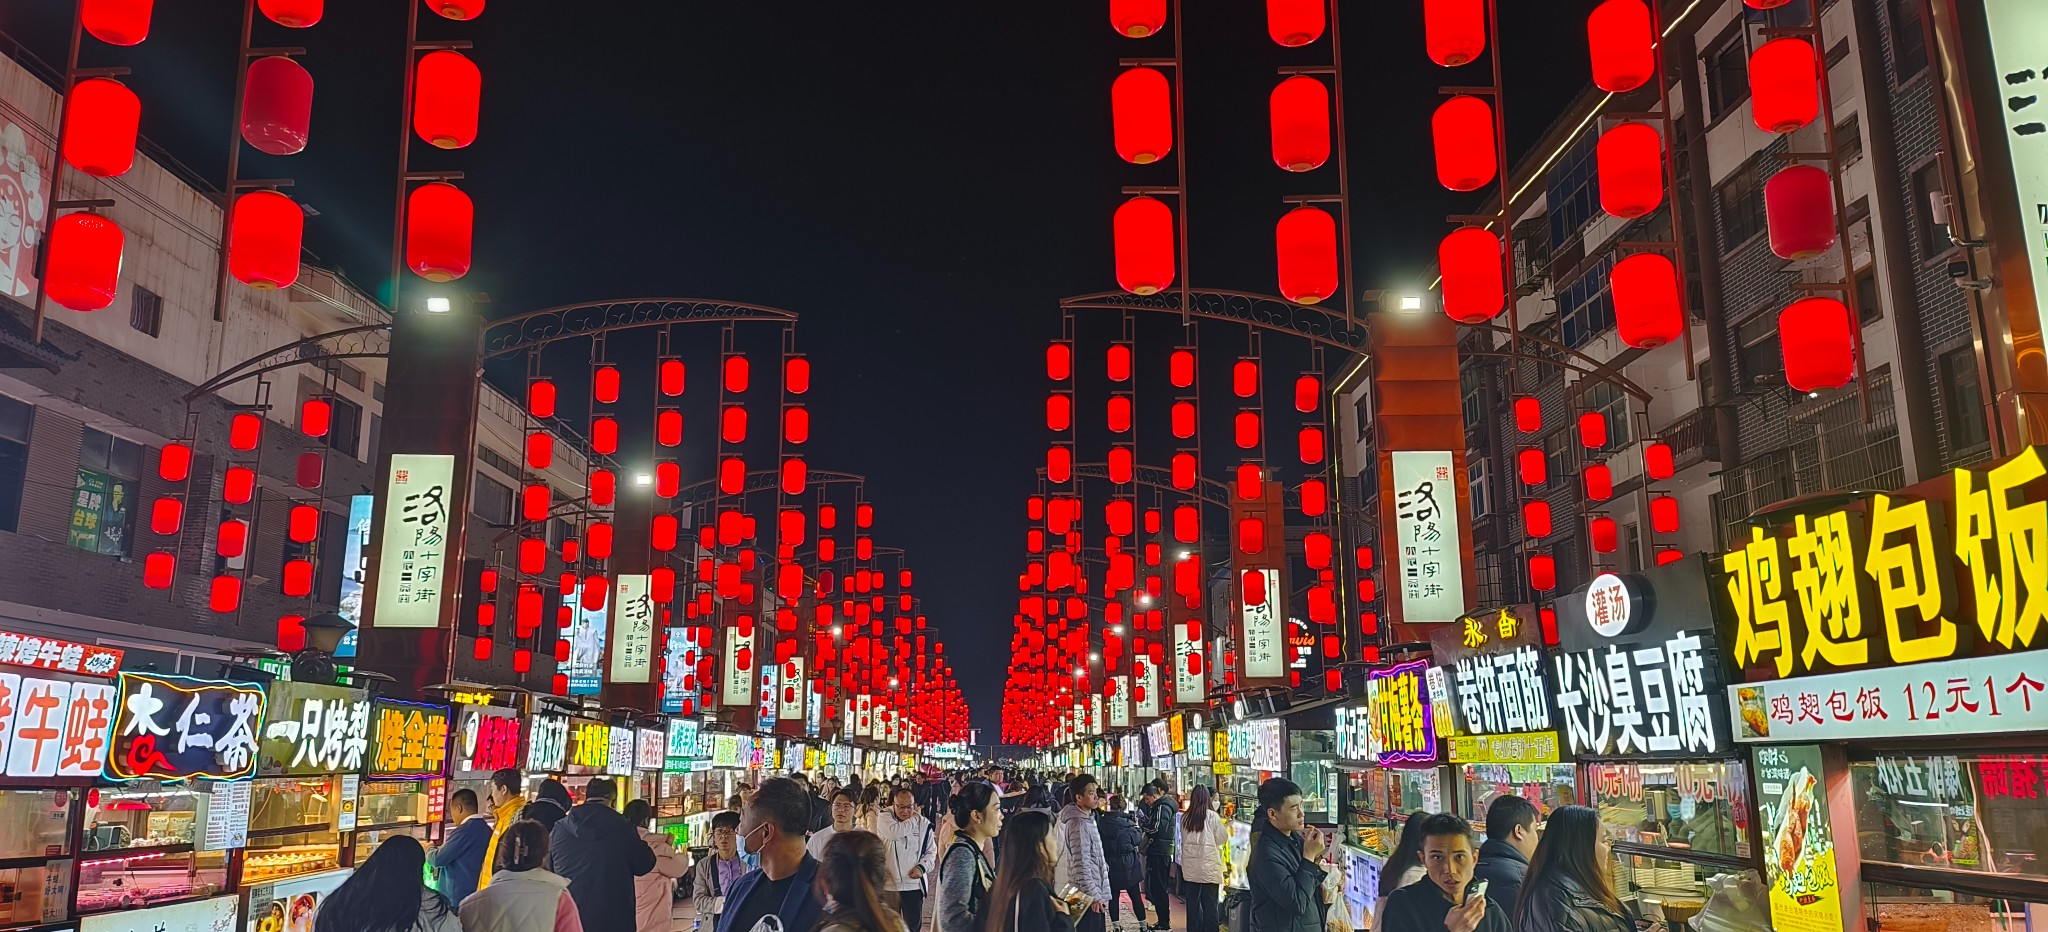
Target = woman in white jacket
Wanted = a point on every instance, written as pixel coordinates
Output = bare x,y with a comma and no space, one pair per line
1202,834
523,896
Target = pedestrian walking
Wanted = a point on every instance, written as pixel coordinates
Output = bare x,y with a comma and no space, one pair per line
1202,834
388,893
600,853
854,875
524,896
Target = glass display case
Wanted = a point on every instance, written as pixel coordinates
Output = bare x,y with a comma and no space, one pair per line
388,808
1933,826
292,827
1676,827
1237,847
1312,765
35,823
139,841
1546,785
1378,802
1928,909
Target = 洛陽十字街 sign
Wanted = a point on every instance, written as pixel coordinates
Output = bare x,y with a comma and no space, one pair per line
412,571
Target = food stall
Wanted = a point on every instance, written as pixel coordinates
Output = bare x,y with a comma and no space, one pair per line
405,788
213,914
487,739
547,747
1386,749
157,843
56,707
308,771
650,753
1638,684
1495,713
1894,701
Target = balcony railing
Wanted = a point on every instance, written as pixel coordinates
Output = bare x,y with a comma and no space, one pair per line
1693,439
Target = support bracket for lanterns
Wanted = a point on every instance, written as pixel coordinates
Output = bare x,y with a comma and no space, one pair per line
1212,492
368,341
1266,312
761,480
587,319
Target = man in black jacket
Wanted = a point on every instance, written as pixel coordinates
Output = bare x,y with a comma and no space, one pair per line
1156,810
1286,884
600,852
1444,901
1510,842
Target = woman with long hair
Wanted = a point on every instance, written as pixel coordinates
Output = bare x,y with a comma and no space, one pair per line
524,896
1022,899
1568,889
1202,834
387,894
1403,868
853,880
965,874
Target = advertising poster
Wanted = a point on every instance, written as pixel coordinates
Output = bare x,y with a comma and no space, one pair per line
1799,852
287,906
632,639
355,567
586,646
214,915
1429,551
26,160
414,568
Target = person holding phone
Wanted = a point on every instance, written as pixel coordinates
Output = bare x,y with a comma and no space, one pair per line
1445,899
1286,883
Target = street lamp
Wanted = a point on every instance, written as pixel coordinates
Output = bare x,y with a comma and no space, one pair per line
437,304
1411,302
315,664
641,478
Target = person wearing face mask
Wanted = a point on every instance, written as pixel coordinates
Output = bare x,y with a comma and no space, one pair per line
912,853
1443,901
719,871
784,885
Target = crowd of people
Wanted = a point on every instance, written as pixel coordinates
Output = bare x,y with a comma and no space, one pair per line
974,852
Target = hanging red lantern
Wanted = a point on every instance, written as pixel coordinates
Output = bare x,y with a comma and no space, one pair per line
796,424
604,434
316,416
1183,419
456,9
1244,378
1784,84
225,594
1533,466
1630,161
440,223
540,398
604,384
732,475
238,485
1623,45
1305,242
1059,464
84,264
1059,411
1311,446
302,523
1059,361
297,579
174,462
1246,429
1765,4
277,105
671,376
1664,514
447,93
1119,414
1606,534
1182,470
1528,414
233,538
1454,31
116,22
1295,23
1658,463
1470,262
1593,430
1300,108
167,515
293,14
244,430
1536,517
1141,115
1308,393
1462,130
535,502
794,476
1137,18
1144,236
265,235
1542,572
738,374
732,424
158,569
1645,290
1599,482
1799,209
1251,481
310,470
1251,535
1818,339
100,123
1315,497
1117,362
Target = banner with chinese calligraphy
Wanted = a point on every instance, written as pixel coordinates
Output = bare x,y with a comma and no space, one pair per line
486,739
632,640
175,728
1429,549
410,740
412,564
1145,688
736,666
793,688
1190,686
619,759
1495,674
313,729
1258,593
681,744
2018,32
547,749
40,653
1401,730
1799,845
54,728
1639,673
1119,702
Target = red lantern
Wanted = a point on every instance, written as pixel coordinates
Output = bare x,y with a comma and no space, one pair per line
1630,159
244,430
310,470
158,569
540,398
1623,45
1542,572
1119,415
1137,18
796,424
1059,464
1251,535
732,475
1300,108
302,523
794,475
604,435
1469,261
1463,132
1593,430
1251,481
1141,113
447,92
1315,497
440,222
1536,517
1818,339
456,9
1534,468
316,415
1182,469
668,479
293,14
264,238
1308,393
1144,236
1784,85
297,579
1059,361
1606,535
174,462
1664,514
1599,482
225,594
1246,429
1059,411
100,122
167,515
540,449
1528,414
1765,4
1311,444
1183,419
1295,23
732,423
1657,461
233,539
116,22
1180,368
1117,362
1645,289
238,484
277,105
1454,31
1799,209
1244,378
535,502
84,263
604,384
1305,241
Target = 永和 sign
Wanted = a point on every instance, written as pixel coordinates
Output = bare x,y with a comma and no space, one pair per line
1429,555
411,741
547,749
1496,682
54,728
412,571
486,739
41,653
312,729
175,728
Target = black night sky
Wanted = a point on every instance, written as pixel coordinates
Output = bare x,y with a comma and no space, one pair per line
920,181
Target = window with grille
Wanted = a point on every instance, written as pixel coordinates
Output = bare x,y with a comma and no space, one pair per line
1962,400
1479,482
1760,359
145,311
1909,38
1585,307
15,419
1728,74
1573,190
1742,207
493,501
103,502
1612,403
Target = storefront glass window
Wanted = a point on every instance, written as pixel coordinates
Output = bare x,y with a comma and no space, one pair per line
1671,891
1923,909
1697,806
142,814
1547,785
34,823
1975,813
1313,759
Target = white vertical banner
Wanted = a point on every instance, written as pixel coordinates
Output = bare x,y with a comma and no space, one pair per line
2019,36
412,559
632,640
793,689
1189,686
864,706
1094,713
1429,554
737,670
1265,634
1120,702
1148,689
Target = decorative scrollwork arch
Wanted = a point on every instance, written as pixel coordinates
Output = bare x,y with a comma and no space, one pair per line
536,328
1242,307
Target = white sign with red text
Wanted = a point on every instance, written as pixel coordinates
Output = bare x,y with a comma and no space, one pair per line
2006,694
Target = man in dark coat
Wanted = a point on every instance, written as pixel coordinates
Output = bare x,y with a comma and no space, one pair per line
1510,842
1286,884
600,852
1443,901
1120,843
459,859
1156,811
772,826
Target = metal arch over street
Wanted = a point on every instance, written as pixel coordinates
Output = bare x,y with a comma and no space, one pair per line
536,328
1240,307
1214,492
760,480
366,341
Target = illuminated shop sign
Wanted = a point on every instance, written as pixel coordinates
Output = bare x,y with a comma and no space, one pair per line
1536,747
1400,730
619,761
1638,674
682,740
41,653
591,744
411,740
486,739
413,570
587,628
54,728
547,750
314,728
175,728
1496,680
1429,556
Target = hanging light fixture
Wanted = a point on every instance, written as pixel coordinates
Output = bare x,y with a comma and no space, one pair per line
277,105
264,237
1818,340
1141,115
1645,290
84,264
1469,259
456,9
1462,130
1630,159
440,223
1606,534
1454,31
1536,518
1593,430
1658,461
1300,108
116,22
447,93
1305,242
1799,211
1137,18
1622,40
1144,237
1784,85
1599,482
100,122
1295,23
